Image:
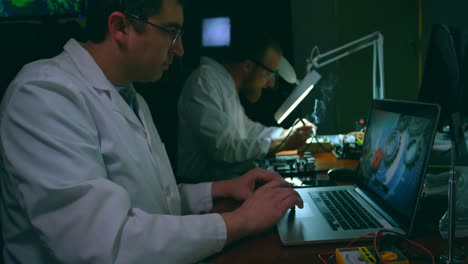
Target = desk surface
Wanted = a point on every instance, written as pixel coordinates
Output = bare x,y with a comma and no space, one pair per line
267,247
327,160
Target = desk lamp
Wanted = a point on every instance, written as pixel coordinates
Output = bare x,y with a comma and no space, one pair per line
305,86
286,71
375,40
297,95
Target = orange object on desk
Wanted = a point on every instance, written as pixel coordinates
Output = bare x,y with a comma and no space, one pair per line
287,152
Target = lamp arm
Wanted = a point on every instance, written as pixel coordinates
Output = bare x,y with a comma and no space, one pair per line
345,50
375,39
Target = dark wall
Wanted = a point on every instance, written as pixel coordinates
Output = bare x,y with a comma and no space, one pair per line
270,17
26,41
332,24
452,13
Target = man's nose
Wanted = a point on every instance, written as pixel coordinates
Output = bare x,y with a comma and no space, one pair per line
178,48
271,82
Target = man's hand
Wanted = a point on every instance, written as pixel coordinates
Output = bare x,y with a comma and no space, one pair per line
293,138
297,138
243,187
305,122
262,210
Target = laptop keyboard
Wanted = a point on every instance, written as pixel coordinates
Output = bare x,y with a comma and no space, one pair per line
341,210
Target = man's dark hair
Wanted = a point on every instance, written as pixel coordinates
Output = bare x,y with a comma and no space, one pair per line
248,43
98,11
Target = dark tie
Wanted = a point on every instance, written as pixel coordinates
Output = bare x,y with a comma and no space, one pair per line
129,95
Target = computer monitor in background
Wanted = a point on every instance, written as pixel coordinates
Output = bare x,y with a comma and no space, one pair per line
15,10
216,32
446,71
445,79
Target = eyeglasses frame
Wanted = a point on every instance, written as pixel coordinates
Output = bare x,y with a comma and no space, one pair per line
175,34
272,73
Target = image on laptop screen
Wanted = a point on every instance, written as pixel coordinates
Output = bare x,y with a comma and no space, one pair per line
393,157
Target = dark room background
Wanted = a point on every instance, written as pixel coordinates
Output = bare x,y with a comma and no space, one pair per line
299,25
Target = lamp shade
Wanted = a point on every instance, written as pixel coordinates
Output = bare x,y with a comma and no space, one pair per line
297,95
286,71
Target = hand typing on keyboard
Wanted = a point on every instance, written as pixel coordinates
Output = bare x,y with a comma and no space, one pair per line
265,207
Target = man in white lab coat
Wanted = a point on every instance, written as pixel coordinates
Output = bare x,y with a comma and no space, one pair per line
84,175
216,139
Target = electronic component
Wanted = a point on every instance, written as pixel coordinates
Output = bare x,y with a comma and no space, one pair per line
290,165
367,255
349,146
317,144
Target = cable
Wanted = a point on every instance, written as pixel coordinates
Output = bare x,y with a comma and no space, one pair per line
332,255
285,138
321,145
375,235
315,50
379,233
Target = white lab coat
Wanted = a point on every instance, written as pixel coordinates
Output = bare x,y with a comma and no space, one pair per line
216,139
83,181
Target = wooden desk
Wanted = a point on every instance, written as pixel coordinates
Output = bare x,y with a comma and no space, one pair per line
267,247
327,160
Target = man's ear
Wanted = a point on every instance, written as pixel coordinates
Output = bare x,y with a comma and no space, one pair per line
118,26
247,65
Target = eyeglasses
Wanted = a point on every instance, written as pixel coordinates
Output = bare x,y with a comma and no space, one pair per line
271,73
175,34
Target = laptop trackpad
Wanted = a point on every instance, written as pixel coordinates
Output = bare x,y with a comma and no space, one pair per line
301,213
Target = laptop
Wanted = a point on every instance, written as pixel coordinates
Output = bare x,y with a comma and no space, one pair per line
389,180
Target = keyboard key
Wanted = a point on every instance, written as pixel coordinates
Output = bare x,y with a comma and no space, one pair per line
341,209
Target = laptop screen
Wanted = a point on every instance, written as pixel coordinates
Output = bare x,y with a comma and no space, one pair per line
397,144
